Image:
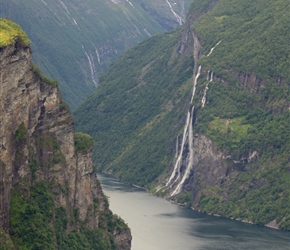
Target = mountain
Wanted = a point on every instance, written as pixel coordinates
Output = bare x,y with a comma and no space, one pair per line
74,41
201,115
50,197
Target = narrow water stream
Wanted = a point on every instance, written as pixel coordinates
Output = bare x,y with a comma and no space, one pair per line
159,225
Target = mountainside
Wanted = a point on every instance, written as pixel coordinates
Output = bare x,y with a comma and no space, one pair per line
74,41
50,197
201,115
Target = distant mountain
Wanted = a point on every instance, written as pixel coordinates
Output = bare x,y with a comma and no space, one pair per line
74,41
201,115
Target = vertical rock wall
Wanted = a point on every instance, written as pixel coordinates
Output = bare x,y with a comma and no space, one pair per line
37,143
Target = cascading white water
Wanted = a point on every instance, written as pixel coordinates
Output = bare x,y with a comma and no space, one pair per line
189,165
98,56
179,19
194,83
129,3
177,165
177,176
92,67
68,13
187,136
203,100
212,49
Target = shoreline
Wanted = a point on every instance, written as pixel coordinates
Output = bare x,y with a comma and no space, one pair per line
272,224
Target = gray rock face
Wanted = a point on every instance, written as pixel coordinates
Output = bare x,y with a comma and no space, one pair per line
36,124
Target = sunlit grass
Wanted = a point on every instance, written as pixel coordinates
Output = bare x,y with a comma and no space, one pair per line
9,31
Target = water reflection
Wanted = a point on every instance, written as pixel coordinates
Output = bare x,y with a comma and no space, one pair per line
159,225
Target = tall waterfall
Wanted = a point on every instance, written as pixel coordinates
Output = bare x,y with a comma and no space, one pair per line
184,156
187,137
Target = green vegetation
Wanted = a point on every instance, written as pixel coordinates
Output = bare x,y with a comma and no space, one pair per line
44,78
251,117
11,32
63,40
20,136
259,196
83,142
20,139
253,35
5,241
37,224
141,97
140,108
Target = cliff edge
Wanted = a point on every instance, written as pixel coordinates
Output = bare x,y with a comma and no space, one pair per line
49,194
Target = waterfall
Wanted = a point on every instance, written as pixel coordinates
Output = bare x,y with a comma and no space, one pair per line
212,49
129,3
211,77
203,100
179,19
44,2
92,67
195,82
68,13
190,161
98,56
184,160
187,137
177,165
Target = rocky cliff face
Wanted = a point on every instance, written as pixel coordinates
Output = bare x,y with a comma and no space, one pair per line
37,144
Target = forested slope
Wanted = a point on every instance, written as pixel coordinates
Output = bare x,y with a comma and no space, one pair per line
232,156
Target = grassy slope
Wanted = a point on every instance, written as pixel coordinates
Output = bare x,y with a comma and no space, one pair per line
135,127
9,31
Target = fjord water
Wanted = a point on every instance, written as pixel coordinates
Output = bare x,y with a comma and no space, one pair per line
157,224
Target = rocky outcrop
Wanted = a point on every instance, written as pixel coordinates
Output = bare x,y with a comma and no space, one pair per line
37,143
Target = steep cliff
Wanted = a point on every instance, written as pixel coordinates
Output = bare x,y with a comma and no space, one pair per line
50,195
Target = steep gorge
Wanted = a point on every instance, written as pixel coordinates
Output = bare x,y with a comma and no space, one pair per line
222,150
50,195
